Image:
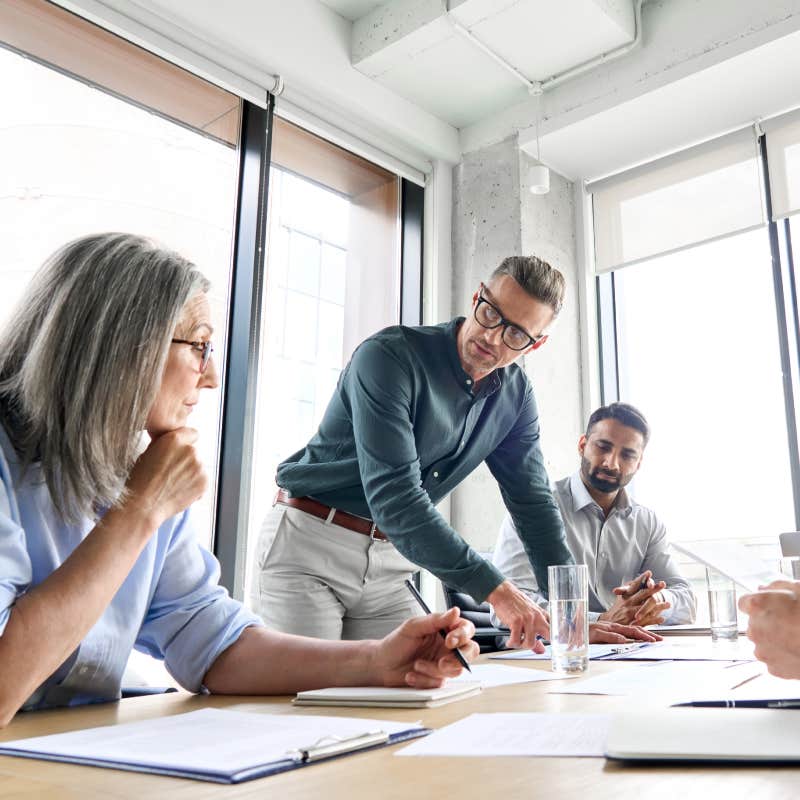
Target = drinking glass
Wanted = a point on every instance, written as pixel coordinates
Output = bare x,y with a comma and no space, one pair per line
721,606
568,589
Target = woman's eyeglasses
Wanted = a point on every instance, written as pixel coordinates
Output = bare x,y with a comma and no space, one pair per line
205,348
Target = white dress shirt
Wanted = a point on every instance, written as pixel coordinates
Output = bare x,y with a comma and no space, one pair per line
616,549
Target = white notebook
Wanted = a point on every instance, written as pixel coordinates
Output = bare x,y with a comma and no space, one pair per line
400,697
706,734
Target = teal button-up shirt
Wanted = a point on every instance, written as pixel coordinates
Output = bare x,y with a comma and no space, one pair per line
402,430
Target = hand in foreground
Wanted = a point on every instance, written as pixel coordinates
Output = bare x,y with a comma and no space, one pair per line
635,605
415,654
521,615
603,632
774,626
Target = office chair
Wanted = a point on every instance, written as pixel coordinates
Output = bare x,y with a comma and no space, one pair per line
488,637
790,543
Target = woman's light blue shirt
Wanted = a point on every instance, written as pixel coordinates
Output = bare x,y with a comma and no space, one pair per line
169,606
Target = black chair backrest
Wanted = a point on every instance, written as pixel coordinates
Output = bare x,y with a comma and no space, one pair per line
488,638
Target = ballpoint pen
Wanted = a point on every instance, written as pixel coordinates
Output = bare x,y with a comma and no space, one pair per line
424,607
741,704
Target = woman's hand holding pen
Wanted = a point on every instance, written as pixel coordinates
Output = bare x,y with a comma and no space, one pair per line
415,654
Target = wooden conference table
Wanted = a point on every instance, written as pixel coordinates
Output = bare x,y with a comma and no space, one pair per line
378,774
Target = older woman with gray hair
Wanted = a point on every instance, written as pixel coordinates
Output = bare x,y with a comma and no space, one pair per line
97,554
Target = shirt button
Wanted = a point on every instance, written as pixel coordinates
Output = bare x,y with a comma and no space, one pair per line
469,383
603,555
83,670
435,474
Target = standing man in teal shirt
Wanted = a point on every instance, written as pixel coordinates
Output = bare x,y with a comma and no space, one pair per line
414,412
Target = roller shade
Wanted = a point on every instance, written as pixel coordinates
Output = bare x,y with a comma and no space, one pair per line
783,156
703,193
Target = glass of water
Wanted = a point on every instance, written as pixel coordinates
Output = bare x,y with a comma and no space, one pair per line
568,589
721,606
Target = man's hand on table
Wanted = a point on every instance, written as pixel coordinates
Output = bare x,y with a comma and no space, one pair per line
604,632
521,615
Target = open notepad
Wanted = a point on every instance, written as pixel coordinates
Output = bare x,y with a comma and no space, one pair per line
391,697
216,745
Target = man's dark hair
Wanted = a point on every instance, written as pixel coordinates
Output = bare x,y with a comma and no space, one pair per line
624,413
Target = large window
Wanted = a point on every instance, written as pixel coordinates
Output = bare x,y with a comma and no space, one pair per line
77,159
698,303
332,279
699,354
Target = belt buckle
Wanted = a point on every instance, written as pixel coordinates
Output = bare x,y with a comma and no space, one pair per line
372,529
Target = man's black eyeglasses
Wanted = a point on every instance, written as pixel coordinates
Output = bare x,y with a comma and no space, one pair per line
206,348
489,316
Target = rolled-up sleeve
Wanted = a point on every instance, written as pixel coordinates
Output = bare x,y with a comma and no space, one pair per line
191,619
15,563
377,388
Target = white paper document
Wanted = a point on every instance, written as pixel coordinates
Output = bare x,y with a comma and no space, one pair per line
761,689
517,735
595,651
731,559
490,675
693,650
669,681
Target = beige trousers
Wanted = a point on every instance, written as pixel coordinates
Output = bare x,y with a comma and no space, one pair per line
318,579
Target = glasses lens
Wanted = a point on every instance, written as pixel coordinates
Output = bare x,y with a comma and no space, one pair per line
515,338
486,315
207,351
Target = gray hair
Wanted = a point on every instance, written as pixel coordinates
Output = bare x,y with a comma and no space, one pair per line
81,361
537,278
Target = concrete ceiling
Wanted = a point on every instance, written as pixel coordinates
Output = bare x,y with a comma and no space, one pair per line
398,76
352,9
414,48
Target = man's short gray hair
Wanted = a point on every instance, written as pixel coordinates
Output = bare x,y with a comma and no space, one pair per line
537,278
81,361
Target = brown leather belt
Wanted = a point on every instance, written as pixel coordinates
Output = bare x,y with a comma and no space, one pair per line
317,509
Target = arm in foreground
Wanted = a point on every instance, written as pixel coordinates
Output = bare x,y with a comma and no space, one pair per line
48,622
265,662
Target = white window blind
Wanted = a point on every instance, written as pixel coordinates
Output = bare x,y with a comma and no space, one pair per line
783,155
703,193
